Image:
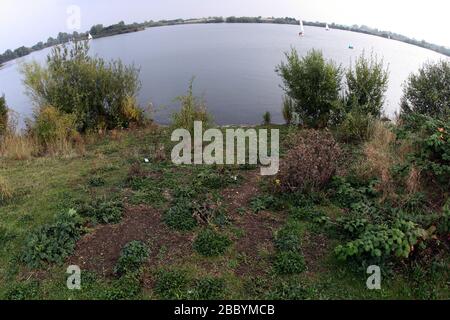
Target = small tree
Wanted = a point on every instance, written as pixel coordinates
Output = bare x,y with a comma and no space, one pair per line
367,82
267,118
192,109
427,92
314,85
3,115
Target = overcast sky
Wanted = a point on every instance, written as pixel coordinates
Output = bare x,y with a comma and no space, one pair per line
25,22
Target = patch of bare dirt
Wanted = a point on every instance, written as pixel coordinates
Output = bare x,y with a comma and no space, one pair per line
256,244
99,250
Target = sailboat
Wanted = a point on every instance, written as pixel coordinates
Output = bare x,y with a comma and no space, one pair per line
90,37
302,29
327,27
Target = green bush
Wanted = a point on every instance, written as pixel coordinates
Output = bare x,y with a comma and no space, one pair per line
367,82
53,128
98,93
210,289
289,262
383,241
180,216
132,258
427,92
267,118
54,242
355,127
262,202
431,154
102,210
3,115
210,243
288,239
171,284
313,84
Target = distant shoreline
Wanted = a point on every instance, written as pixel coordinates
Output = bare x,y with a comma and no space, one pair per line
98,31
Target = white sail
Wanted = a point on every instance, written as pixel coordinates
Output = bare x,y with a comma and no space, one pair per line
327,27
302,28
90,37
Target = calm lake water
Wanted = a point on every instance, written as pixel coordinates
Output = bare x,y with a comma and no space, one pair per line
233,64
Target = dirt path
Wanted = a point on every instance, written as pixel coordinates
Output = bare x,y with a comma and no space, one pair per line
99,250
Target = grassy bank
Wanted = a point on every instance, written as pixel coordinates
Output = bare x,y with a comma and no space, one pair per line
246,224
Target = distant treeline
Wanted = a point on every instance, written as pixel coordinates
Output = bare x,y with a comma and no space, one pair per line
99,31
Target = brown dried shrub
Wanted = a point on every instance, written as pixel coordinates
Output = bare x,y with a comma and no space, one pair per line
311,162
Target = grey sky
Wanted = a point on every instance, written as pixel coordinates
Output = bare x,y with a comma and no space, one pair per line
25,22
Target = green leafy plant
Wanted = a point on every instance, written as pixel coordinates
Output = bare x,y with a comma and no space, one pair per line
210,243
289,262
180,216
171,284
132,257
102,210
210,288
54,242
288,239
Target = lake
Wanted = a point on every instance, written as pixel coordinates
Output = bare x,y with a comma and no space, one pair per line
233,64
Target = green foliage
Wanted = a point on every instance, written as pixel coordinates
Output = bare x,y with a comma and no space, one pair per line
313,84
289,262
427,92
3,115
132,257
97,93
367,82
288,239
53,127
171,284
210,289
28,290
180,215
210,243
54,242
102,210
356,127
192,109
267,118
127,287
96,181
382,241
262,202
288,110
431,155
288,291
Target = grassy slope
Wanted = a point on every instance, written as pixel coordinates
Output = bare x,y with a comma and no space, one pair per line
42,187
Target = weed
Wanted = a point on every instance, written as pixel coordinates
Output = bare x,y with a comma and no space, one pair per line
132,257
210,289
210,243
102,210
171,284
52,243
289,262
